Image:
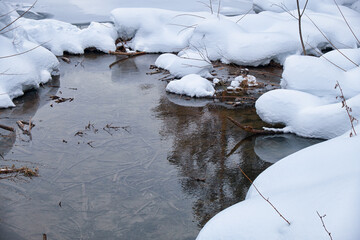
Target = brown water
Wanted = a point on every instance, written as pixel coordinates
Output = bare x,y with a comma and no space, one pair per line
165,168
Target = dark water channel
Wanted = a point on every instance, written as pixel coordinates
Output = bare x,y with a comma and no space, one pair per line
125,159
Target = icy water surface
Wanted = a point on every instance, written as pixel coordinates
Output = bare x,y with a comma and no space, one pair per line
123,160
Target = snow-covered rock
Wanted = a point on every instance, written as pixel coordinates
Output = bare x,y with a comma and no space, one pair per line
185,63
191,85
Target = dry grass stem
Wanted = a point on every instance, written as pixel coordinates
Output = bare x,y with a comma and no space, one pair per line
347,108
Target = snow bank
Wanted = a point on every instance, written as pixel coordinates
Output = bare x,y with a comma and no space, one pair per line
255,40
59,36
191,85
285,5
23,64
322,178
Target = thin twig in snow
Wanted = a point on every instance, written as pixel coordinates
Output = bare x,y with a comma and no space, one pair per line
266,199
347,23
27,10
328,40
322,221
244,15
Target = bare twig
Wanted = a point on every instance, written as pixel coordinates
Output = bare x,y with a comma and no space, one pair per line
251,129
328,40
266,199
300,14
218,12
322,55
27,10
17,54
24,170
11,129
322,221
347,108
130,54
244,15
347,23
188,14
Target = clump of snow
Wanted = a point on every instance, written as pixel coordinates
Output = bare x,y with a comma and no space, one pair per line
59,36
244,81
191,85
185,63
322,178
23,64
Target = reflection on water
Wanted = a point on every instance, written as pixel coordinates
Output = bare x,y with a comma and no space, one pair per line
123,160
274,147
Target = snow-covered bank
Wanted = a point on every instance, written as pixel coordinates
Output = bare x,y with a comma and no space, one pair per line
23,64
60,36
254,40
322,178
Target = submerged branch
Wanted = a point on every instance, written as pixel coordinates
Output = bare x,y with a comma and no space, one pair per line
251,129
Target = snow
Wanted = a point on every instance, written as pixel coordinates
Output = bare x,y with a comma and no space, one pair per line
23,64
191,85
185,63
299,185
59,36
253,40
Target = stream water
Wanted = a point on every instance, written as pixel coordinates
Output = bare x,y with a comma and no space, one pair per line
124,159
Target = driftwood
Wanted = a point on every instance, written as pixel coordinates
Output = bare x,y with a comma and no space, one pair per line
11,129
251,129
130,54
126,54
22,124
24,170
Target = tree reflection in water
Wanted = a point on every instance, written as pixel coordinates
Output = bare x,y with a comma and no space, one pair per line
208,150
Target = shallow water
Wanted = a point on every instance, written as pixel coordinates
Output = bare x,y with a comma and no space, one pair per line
124,159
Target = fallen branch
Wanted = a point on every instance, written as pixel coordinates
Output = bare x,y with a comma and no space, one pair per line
130,54
127,54
266,199
11,129
251,129
28,172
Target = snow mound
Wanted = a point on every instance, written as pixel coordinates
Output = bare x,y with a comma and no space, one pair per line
310,105
191,85
156,30
322,178
23,64
59,36
320,75
185,63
